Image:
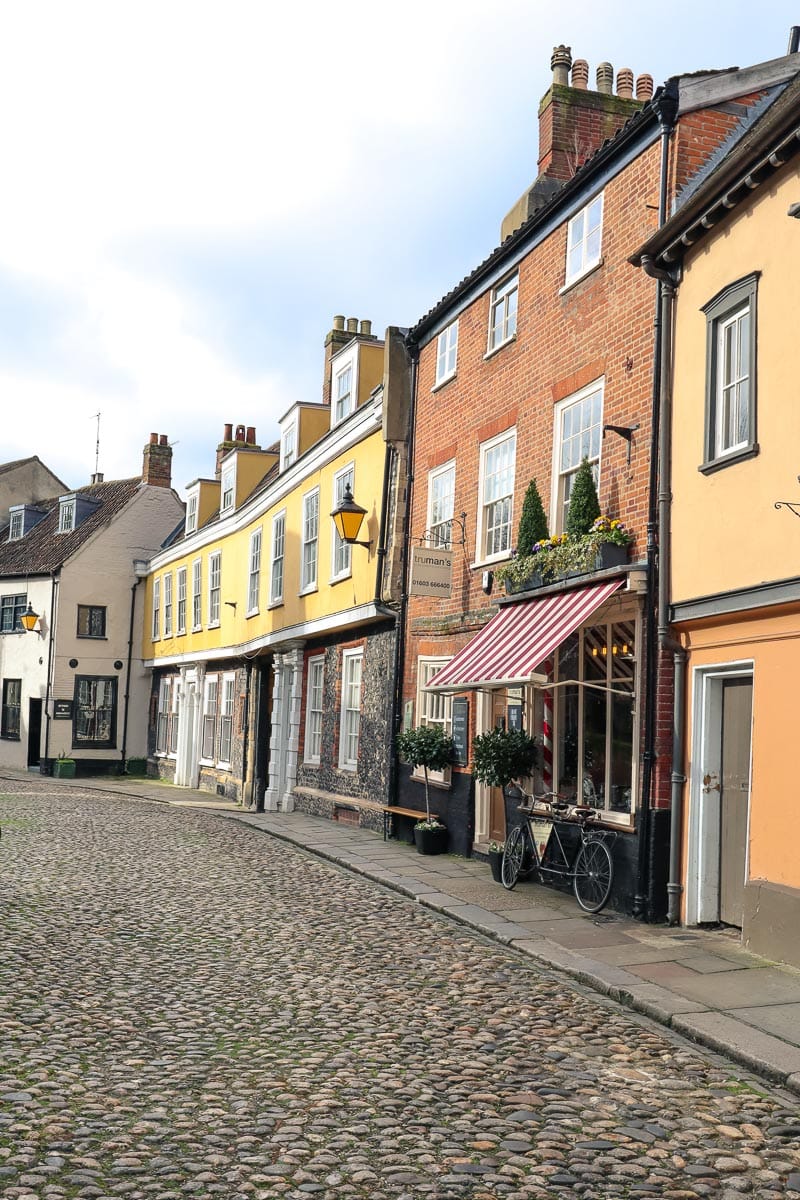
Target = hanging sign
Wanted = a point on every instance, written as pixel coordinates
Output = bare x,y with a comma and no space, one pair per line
431,571
62,710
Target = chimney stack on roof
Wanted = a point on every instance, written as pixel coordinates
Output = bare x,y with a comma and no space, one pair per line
157,462
573,124
243,439
342,332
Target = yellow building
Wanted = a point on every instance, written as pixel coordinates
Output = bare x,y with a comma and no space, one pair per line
271,639
732,255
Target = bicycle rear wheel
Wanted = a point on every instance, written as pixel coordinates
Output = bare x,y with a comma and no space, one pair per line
594,874
513,856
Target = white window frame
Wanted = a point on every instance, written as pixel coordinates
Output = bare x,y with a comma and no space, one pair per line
197,594
503,312
487,449
214,588
350,716
277,566
559,503
254,572
309,553
289,446
210,714
180,612
433,708
441,504
168,712
341,552
192,505
67,506
155,627
315,697
227,488
446,353
344,402
582,254
16,524
225,709
167,604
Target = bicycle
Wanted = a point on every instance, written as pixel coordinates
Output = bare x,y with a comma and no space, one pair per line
591,866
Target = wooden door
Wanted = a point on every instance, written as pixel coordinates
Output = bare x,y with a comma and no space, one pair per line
737,707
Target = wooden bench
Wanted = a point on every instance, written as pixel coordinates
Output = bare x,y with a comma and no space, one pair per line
389,811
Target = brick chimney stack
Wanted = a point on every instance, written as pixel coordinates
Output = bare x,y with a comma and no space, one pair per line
343,331
243,438
573,124
157,462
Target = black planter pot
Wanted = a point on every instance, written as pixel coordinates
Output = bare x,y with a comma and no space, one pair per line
430,841
496,863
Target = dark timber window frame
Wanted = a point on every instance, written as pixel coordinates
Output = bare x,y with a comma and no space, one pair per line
732,301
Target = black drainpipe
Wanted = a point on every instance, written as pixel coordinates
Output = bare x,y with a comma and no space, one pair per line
53,590
381,555
400,640
666,106
124,752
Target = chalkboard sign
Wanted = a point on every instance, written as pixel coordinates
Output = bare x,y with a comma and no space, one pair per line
515,716
461,730
62,710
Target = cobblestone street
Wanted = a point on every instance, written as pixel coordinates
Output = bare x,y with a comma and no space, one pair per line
189,1007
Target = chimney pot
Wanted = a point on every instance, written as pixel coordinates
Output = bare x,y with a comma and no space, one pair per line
162,440
580,74
625,83
227,433
239,433
366,328
352,324
560,63
644,87
251,435
338,322
153,439
605,79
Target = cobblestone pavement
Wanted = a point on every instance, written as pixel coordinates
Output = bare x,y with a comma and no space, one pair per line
189,1008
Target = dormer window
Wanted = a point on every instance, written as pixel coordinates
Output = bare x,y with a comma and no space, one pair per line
66,514
288,446
16,526
228,488
191,512
344,394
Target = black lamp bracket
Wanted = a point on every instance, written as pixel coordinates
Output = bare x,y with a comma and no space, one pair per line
792,505
623,431
428,535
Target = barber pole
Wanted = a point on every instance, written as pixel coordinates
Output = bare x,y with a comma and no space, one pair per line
547,730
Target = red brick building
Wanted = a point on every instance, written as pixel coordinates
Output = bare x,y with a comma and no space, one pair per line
548,353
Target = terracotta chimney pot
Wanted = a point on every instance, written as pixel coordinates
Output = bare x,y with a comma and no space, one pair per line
644,87
625,83
580,74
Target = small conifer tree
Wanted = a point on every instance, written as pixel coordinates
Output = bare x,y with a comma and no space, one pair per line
533,522
584,507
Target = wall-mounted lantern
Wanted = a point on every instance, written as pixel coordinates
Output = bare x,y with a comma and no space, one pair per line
348,517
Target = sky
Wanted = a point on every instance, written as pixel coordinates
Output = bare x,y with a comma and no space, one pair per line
191,191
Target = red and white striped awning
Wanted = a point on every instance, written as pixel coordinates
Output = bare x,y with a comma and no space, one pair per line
508,650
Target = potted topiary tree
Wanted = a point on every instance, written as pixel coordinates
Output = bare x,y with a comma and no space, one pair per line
584,507
502,756
429,747
532,530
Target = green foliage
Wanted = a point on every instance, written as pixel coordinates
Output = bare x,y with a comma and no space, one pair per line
500,755
584,507
533,522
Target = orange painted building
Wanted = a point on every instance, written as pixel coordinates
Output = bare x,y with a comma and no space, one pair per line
733,258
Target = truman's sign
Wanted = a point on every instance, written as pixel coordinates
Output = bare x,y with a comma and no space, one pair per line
431,569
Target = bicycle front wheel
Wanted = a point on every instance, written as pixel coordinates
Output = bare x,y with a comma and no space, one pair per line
594,874
513,855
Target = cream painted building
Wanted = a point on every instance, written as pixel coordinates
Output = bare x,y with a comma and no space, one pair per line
74,685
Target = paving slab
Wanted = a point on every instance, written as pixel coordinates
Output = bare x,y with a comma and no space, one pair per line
732,989
782,1020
